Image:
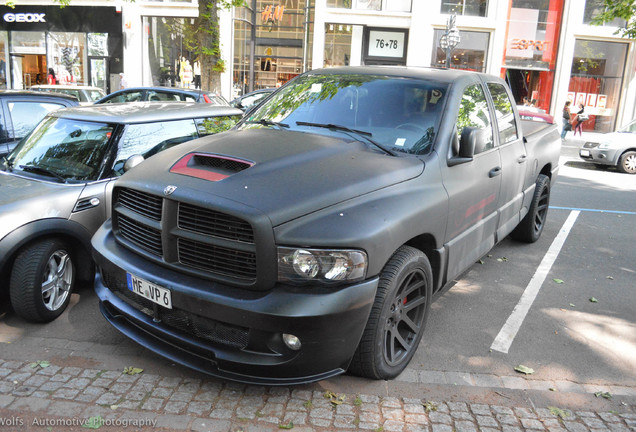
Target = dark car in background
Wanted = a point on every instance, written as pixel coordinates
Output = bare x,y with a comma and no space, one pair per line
251,99
21,111
163,94
55,190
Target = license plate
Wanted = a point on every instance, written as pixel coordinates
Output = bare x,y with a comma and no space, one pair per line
585,153
150,291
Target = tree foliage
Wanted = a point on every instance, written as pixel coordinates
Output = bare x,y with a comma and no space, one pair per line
622,9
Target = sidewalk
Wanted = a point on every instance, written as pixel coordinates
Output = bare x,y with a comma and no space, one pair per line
144,401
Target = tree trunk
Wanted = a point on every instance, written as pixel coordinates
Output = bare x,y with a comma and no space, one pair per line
208,46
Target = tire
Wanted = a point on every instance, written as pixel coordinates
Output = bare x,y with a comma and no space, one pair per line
42,280
398,316
531,226
627,162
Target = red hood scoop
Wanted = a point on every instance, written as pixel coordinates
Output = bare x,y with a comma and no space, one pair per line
209,166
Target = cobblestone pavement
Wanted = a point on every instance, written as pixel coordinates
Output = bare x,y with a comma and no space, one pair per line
39,389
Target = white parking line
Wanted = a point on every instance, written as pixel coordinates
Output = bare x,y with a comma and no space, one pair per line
508,332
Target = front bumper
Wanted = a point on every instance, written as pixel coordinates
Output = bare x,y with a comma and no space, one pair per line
230,332
601,157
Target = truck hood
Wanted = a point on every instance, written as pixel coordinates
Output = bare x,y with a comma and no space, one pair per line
284,174
23,200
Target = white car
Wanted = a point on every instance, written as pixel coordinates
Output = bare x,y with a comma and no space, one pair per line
616,148
86,95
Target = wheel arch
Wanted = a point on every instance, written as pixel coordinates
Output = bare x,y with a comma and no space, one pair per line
71,232
428,245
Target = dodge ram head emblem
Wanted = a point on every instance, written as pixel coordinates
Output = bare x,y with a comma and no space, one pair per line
169,189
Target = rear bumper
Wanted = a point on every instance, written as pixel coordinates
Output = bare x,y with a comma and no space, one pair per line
230,332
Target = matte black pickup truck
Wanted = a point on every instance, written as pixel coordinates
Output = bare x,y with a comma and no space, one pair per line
312,238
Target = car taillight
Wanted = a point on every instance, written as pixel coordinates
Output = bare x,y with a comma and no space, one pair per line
206,99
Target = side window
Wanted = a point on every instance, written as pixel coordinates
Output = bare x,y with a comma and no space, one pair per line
187,98
155,96
147,139
212,125
473,112
125,97
26,115
505,114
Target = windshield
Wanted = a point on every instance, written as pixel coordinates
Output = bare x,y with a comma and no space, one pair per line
67,149
399,114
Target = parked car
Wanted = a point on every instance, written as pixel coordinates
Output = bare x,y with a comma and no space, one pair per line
163,94
86,95
251,99
56,190
21,111
312,238
615,149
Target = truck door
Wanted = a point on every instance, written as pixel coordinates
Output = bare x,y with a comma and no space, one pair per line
513,160
473,189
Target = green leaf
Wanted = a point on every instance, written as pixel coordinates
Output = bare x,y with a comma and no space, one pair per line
334,398
481,261
552,389
610,278
132,371
524,370
502,259
558,412
572,305
289,425
40,363
94,423
559,281
593,300
605,395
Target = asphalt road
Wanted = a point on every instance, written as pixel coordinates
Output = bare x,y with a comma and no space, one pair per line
564,335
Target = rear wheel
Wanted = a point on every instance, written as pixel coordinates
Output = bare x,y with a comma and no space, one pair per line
42,279
531,226
627,162
398,316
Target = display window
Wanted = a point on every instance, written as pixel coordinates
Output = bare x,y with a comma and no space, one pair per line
596,82
469,54
281,47
4,60
531,50
465,7
67,57
372,5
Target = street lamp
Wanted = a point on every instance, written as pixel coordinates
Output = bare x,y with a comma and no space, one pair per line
450,39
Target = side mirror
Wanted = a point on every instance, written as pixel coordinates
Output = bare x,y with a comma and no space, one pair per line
132,162
472,141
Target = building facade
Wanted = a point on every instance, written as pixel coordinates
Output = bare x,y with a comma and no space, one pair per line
547,50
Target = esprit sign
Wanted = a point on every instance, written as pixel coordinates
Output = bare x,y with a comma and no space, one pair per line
24,17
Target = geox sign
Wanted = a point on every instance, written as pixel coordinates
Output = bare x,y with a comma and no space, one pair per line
24,17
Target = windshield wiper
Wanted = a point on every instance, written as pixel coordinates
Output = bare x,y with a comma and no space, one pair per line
266,122
41,170
364,134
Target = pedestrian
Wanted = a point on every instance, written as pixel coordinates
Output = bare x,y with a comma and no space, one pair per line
580,118
50,79
122,81
567,126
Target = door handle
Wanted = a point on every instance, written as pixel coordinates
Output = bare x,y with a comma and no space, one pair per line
522,159
494,172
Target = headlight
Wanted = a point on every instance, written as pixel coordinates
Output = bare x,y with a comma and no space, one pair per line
605,145
302,265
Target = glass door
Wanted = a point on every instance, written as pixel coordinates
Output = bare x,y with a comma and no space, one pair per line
98,70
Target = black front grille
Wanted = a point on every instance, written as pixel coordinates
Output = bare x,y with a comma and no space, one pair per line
217,259
141,235
210,222
189,323
142,203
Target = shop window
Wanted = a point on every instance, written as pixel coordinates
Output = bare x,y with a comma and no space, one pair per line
465,7
28,42
98,44
4,60
165,57
596,82
595,7
469,54
338,43
373,5
67,57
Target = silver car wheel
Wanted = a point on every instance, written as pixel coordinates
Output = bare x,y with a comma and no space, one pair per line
628,163
58,278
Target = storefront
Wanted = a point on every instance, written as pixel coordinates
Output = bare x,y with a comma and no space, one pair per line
278,47
531,50
81,45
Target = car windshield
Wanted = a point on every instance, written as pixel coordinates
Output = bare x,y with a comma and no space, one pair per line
399,114
65,149
630,128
